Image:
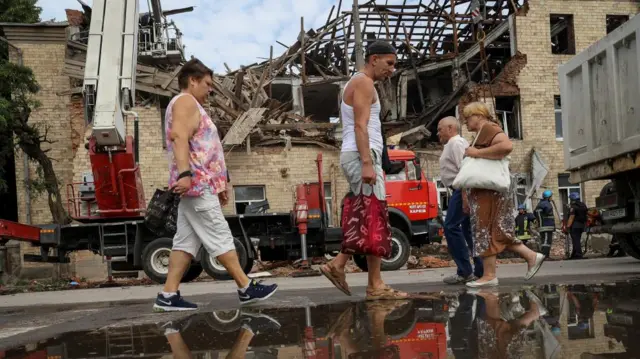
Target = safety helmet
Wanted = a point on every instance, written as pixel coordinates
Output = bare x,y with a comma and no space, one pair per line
521,207
574,196
547,194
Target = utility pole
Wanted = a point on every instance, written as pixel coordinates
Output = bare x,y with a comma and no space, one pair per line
358,35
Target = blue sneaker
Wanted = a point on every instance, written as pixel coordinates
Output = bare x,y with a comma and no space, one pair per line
256,292
175,303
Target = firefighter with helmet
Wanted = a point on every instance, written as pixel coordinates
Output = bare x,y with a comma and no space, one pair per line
523,219
576,224
546,221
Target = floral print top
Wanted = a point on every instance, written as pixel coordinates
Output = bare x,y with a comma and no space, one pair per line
206,155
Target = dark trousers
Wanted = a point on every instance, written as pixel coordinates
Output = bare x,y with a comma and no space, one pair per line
576,234
547,239
464,336
457,230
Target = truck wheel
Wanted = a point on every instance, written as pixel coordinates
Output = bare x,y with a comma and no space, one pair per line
400,251
630,243
224,321
217,271
155,262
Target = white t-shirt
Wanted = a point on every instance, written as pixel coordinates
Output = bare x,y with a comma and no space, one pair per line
451,159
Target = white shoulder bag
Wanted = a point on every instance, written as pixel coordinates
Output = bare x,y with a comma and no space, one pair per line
483,173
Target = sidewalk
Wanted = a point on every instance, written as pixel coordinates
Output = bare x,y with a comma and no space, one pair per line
589,267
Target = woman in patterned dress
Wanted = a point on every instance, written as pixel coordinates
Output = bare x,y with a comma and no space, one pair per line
492,212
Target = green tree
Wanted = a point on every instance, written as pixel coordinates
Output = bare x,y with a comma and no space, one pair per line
17,102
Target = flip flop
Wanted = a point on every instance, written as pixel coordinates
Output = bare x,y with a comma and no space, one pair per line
336,278
386,293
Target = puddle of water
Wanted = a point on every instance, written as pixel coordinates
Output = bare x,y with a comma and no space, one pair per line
575,321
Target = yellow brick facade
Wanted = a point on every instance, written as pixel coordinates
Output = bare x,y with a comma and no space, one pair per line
538,81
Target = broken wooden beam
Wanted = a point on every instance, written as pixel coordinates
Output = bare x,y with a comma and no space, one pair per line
243,126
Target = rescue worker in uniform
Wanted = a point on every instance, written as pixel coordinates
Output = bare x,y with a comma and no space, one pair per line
523,219
546,221
576,224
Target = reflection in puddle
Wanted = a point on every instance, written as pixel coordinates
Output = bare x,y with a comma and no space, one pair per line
551,321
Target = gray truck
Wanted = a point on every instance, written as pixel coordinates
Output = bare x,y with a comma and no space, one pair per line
600,91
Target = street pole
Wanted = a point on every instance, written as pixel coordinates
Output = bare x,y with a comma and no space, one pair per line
358,35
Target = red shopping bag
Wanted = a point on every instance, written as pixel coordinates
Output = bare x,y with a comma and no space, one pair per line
365,226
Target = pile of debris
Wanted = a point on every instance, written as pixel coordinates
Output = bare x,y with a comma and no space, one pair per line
239,104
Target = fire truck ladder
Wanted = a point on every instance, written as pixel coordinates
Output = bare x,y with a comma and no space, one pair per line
120,342
120,230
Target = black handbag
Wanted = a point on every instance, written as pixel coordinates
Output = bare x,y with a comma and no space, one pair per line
162,213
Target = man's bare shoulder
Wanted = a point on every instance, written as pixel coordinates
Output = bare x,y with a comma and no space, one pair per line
362,83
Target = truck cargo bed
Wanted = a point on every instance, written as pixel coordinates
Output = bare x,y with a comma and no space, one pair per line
600,89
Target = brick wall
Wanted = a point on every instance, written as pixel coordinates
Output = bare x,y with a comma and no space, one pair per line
538,80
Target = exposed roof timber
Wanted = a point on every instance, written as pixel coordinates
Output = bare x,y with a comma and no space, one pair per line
469,54
436,32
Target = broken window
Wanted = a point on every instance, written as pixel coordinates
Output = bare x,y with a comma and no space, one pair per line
562,35
522,181
557,104
508,112
328,200
246,195
614,21
321,101
565,188
443,196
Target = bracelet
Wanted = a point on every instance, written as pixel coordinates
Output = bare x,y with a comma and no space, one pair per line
186,173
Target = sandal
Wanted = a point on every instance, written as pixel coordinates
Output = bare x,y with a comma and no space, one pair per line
386,293
336,277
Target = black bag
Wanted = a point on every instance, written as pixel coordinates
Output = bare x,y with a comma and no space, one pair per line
162,213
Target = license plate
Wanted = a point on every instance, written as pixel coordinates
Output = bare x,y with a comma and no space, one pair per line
614,214
620,319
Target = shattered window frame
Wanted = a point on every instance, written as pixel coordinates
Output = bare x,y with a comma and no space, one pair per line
564,189
249,201
614,21
328,200
515,115
557,112
556,40
522,188
443,196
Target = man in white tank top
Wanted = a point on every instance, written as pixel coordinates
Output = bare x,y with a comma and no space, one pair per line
361,155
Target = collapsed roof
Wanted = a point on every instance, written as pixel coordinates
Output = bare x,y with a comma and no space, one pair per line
440,60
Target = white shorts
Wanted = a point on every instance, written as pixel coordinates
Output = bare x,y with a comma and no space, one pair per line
201,222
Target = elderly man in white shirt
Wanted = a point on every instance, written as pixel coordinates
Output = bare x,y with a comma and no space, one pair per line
457,226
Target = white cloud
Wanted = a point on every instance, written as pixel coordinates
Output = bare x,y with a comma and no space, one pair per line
237,32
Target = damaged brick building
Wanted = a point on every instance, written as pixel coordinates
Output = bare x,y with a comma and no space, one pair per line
278,114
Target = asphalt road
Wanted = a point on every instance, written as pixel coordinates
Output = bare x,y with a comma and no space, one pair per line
30,317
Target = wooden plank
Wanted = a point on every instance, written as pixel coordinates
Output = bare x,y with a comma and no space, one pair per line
243,126
71,91
173,76
220,103
229,94
298,126
151,89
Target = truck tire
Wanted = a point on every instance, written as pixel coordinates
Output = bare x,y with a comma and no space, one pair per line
155,262
630,243
224,321
218,272
400,252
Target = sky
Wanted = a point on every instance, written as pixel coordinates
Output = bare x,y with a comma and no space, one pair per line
233,31
236,32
